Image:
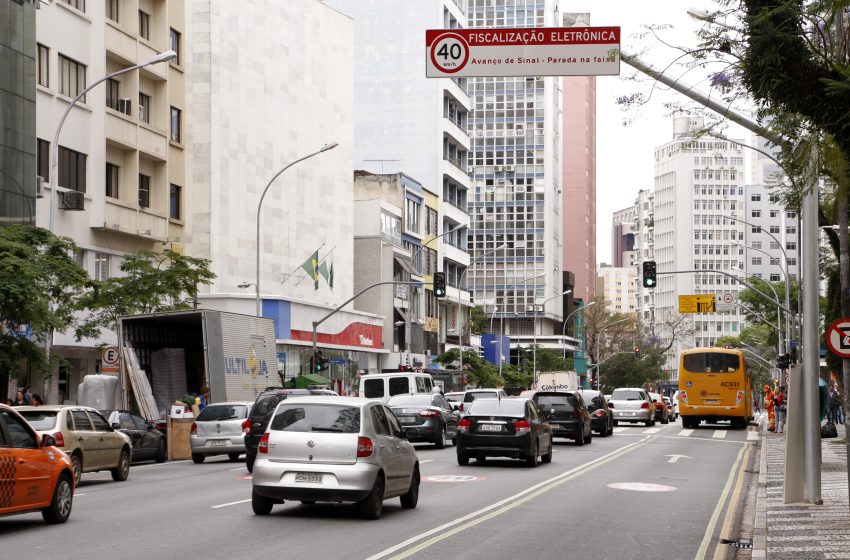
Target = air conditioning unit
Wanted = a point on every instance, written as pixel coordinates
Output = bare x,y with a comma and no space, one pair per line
72,200
509,168
498,169
39,186
540,132
125,105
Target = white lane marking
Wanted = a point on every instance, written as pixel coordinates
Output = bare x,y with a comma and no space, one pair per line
239,469
719,434
441,530
709,532
620,429
752,436
686,433
231,504
75,495
426,461
675,458
652,430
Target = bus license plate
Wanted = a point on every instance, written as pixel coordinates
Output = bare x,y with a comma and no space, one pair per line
490,428
308,477
711,401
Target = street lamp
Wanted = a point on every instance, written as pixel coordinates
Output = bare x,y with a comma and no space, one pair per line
534,325
54,166
502,322
324,148
567,320
599,362
778,316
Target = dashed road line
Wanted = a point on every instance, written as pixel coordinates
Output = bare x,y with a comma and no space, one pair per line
620,429
719,434
686,433
230,504
652,430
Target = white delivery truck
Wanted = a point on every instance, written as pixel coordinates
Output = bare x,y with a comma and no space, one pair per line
558,381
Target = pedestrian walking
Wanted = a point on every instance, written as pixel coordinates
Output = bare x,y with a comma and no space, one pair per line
781,404
835,405
769,407
28,394
19,399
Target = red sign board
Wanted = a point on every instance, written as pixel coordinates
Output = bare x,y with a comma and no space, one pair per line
526,51
838,338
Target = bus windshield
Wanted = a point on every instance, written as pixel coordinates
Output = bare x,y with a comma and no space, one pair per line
711,362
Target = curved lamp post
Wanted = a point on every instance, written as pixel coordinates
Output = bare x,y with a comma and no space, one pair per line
567,320
596,335
260,207
459,282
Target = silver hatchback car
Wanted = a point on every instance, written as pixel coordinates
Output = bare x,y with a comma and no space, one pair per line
335,449
218,431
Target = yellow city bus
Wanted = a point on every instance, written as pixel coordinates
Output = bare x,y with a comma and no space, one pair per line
714,385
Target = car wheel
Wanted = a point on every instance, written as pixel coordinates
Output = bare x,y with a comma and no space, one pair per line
440,442
77,466
454,441
462,459
531,460
249,461
122,471
548,457
409,500
260,504
614,424
233,456
589,437
59,509
372,506
648,423
198,458
665,420
579,439
611,428
161,452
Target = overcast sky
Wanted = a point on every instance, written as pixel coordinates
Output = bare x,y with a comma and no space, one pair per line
624,154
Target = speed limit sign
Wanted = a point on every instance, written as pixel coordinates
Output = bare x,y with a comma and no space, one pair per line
449,52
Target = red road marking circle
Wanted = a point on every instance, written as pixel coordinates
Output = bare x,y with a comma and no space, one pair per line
642,487
455,52
452,478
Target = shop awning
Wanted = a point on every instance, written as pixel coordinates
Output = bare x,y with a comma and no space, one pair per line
304,381
405,265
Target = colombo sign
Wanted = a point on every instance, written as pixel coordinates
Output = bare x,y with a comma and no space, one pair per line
526,51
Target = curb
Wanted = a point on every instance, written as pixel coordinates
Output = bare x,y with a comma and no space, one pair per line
759,549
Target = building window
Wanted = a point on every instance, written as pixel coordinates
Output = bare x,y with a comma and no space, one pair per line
144,191
112,93
43,159
792,261
790,214
43,66
78,4
112,10
390,228
774,213
412,223
431,221
175,124
144,25
101,266
756,214
791,229
72,77
112,180
791,246
72,169
774,278
774,229
756,261
174,195
174,43
755,197
144,107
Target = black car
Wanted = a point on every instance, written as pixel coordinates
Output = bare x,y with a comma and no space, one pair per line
255,425
566,412
426,417
601,417
148,443
503,428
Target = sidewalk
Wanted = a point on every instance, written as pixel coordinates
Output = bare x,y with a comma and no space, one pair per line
798,531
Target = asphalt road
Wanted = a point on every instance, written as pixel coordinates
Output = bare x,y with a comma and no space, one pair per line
642,493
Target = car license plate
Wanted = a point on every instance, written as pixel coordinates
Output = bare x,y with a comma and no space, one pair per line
490,428
632,413
308,477
407,419
219,442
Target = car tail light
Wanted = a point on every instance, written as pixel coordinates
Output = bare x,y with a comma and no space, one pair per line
194,429
428,413
522,427
739,397
60,439
263,447
683,396
246,427
463,425
645,405
599,413
364,447
610,405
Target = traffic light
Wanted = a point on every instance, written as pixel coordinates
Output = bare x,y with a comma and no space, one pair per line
318,362
649,274
439,284
637,352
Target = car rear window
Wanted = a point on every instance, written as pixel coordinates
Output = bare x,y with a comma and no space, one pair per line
626,395
561,403
399,385
711,362
41,421
316,418
469,397
373,388
219,412
265,405
498,407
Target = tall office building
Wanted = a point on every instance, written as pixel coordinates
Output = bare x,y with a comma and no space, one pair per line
517,167
121,171
406,123
623,237
643,226
617,284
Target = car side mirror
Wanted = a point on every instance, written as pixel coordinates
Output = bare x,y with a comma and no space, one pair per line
115,426
47,441
407,434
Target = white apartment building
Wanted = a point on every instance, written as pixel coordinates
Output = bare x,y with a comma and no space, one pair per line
699,184
409,124
122,178
617,285
643,226
516,165
271,82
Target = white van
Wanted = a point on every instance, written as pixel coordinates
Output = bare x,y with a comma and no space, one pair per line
385,385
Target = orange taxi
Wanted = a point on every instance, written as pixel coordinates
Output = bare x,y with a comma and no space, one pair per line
34,475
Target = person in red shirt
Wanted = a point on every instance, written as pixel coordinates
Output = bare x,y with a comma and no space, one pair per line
769,407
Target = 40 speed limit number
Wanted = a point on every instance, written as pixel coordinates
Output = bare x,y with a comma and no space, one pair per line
450,52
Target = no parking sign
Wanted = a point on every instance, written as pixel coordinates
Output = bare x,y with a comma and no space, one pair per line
109,360
838,338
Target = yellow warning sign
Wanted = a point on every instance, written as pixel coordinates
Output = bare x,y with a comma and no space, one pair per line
701,303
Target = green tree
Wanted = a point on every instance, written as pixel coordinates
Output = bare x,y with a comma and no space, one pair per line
150,283
40,283
478,319
479,372
624,370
